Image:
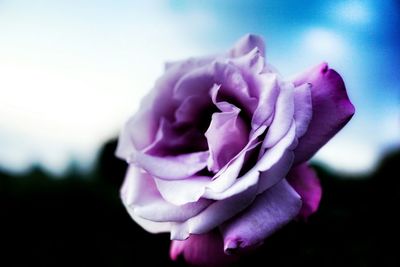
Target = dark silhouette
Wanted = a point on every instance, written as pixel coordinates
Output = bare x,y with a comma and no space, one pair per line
78,220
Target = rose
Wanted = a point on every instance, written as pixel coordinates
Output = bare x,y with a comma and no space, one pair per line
217,150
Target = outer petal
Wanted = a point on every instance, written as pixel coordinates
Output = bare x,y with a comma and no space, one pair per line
142,199
283,116
302,108
215,214
246,44
306,183
205,250
332,109
149,226
158,103
171,167
250,64
180,192
276,161
267,99
269,212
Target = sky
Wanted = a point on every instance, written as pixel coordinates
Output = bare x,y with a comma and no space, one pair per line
72,72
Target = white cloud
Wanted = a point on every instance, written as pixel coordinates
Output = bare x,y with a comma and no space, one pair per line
69,81
324,43
353,11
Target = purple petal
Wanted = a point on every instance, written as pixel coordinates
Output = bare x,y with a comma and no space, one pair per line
215,214
267,99
246,44
331,106
176,138
206,250
302,108
233,86
269,212
142,199
150,226
158,210
272,167
225,184
199,82
283,115
158,103
306,183
227,135
277,160
227,176
195,83
250,64
192,108
180,192
171,167
239,185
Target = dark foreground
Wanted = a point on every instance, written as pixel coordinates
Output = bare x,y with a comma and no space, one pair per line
79,221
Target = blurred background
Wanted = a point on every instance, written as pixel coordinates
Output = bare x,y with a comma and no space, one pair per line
72,72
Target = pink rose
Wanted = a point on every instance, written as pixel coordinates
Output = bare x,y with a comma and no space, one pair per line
217,150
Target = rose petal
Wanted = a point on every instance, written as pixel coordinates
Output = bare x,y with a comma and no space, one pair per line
277,160
228,174
227,135
306,183
283,115
149,226
250,64
302,108
196,82
171,167
224,184
205,250
331,106
213,215
141,197
158,103
250,67
180,192
239,185
269,212
269,170
192,109
158,210
246,44
233,87
267,99
176,138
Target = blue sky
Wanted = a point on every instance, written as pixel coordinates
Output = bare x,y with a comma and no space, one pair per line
73,71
